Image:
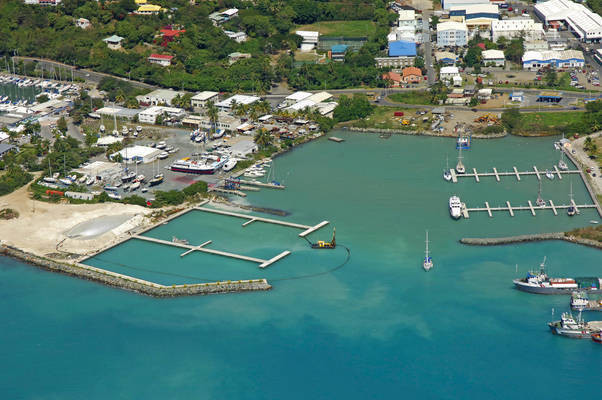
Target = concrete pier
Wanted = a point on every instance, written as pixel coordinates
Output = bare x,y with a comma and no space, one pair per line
497,176
536,173
488,209
227,191
274,259
313,228
517,174
557,172
553,207
575,205
252,218
591,192
196,248
476,176
531,207
261,184
510,209
453,175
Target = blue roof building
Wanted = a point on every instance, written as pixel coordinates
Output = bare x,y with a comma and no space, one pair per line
339,48
402,48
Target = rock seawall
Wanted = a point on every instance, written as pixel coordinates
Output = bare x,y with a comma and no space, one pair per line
420,133
134,284
530,238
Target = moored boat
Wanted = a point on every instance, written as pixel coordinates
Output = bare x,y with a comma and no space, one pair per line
540,283
455,207
205,166
574,328
581,302
549,174
597,337
427,264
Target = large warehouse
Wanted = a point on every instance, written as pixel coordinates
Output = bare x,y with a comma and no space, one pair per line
580,20
136,153
516,27
552,58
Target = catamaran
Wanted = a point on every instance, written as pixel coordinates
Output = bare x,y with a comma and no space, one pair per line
427,264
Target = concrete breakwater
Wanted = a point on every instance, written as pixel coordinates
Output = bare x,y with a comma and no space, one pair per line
420,133
134,284
530,238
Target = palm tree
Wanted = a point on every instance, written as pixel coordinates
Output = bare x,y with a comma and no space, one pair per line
213,114
263,139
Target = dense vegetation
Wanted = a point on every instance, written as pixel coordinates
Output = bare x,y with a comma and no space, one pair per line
13,178
201,53
350,108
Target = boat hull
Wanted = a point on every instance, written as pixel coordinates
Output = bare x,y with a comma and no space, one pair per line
570,333
208,171
522,286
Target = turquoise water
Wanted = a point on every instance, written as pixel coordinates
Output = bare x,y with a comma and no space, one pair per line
379,327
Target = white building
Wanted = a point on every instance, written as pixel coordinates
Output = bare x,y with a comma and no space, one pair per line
310,39
302,105
82,23
159,96
553,58
201,99
448,73
238,37
226,105
404,33
296,97
584,23
224,121
516,27
407,18
320,97
149,116
163,60
448,4
495,57
452,33
137,153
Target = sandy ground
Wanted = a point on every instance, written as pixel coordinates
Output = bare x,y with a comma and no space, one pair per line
41,227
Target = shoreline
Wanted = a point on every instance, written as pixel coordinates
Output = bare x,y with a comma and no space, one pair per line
539,237
418,133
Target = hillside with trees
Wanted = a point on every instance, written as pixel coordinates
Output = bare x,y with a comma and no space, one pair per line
201,53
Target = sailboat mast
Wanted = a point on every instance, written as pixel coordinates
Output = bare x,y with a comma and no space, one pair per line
427,244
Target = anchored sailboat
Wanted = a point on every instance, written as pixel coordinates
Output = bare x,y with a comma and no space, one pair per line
427,264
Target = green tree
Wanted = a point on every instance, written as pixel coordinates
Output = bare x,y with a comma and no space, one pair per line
61,125
263,139
213,114
511,119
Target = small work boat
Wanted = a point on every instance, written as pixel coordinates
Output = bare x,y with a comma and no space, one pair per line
326,245
597,337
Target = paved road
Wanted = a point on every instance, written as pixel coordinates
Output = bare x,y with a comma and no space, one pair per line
428,52
582,156
58,70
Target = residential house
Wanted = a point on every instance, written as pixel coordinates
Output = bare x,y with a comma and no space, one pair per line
148,9
338,51
236,56
411,75
168,35
446,57
82,23
163,60
238,37
407,18
220,17
113,42
393,77
447,73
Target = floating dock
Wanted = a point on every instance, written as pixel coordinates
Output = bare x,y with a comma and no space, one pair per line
530,207
515,172
250,219
262,184
336,139
262,263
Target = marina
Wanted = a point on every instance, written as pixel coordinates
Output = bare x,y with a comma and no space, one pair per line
478,175
510,209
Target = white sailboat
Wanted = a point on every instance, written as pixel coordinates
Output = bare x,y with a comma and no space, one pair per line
460,167
427,264
446,172
540,201
571,211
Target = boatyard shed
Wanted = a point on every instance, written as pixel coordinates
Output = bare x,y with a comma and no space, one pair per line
5,148
227,104
136,153
159,97
296,97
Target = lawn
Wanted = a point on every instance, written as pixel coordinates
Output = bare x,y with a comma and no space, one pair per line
548,123
341,28
413,97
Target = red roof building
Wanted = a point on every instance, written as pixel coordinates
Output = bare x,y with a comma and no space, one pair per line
394,77
163,60
412,75
169,35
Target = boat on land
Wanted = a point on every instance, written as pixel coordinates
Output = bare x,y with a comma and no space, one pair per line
206,166
135,185
113,195
540,283
570,327
581,302
158,179
230,164
128,176
320,244
427,264
455,207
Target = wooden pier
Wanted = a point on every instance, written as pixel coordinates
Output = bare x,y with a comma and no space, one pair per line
250,219
530,207
262,263
262,184
515,172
